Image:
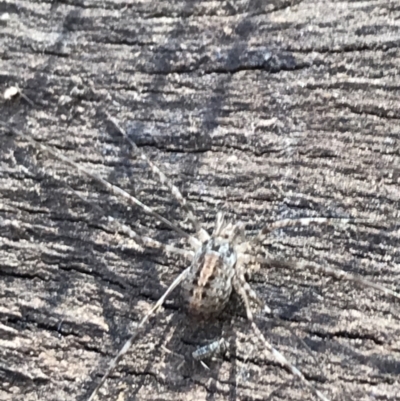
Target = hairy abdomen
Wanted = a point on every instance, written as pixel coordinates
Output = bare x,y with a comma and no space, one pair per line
208,286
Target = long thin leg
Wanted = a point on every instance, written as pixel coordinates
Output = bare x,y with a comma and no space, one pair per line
306,221
251,294
128,343
284,324
328,270
280,358
165,181
112,188
141,240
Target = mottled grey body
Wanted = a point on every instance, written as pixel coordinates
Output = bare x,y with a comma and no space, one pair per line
208,286
212,274
210,349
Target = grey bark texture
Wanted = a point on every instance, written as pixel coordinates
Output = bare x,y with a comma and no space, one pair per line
267,110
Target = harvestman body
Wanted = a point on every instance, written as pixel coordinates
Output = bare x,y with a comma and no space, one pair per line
218,262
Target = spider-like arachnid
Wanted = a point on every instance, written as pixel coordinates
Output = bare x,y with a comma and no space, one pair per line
219,262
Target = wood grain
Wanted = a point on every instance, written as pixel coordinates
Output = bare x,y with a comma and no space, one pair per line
289,109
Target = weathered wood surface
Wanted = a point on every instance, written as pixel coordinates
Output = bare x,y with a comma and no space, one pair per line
266,111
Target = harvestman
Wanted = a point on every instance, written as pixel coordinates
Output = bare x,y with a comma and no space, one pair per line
219,264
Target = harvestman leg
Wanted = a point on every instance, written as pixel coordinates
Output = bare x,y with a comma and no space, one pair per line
140,326
242,288
141,240
327,270
195,243
303,265
164,180
252,295
306,221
